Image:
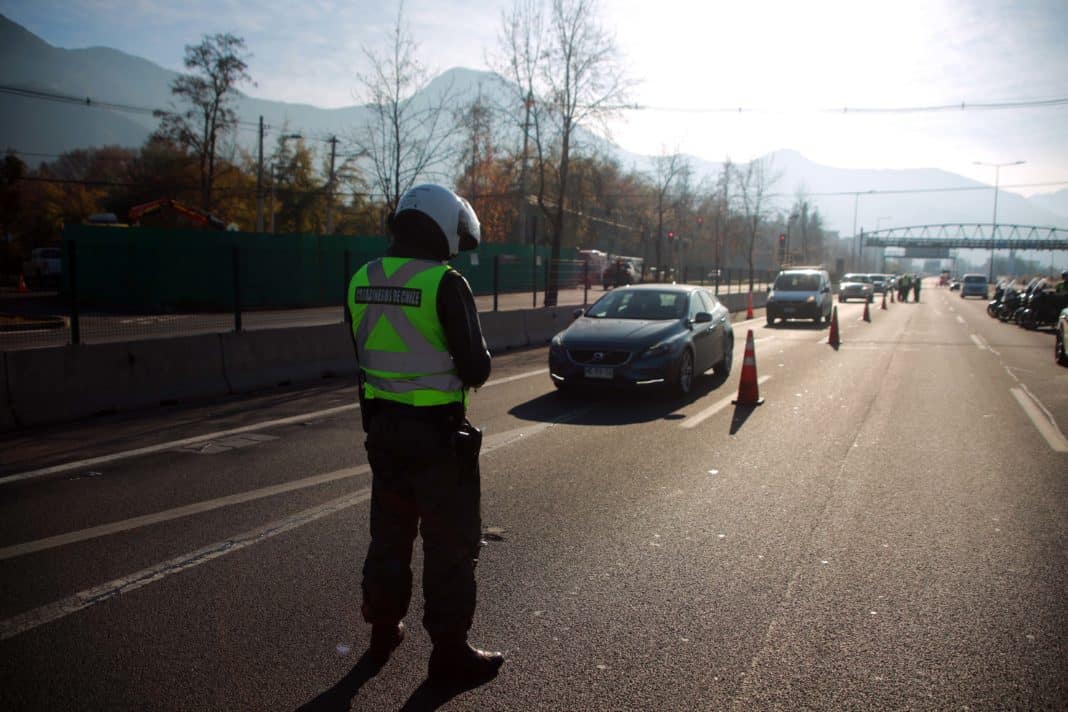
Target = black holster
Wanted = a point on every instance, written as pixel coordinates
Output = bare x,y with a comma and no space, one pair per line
467,444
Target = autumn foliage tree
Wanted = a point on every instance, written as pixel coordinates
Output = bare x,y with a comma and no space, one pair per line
206,115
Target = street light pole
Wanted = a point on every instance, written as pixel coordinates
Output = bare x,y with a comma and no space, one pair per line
878,224
786,246
856,202
994,227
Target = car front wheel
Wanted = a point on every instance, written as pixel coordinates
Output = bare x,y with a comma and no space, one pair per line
1058,350
723,368
684,382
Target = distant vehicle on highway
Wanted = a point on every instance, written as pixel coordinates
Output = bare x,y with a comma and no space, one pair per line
642,336
1062,338
44,266
974,285
855,286
596,262
620,273
800,294
879,283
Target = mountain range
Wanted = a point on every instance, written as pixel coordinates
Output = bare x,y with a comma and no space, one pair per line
40,128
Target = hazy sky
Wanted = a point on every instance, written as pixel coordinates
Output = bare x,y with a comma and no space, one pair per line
788,62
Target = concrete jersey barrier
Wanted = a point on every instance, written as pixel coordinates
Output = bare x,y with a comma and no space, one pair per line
52,385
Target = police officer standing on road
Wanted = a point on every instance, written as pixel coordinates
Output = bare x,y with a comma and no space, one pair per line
916,283
420,349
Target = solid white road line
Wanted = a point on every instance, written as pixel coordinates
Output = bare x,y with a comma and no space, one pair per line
89,597
960,319
177,512
1041,420
185,442
697,418
517,377
83,599
173,444
978,342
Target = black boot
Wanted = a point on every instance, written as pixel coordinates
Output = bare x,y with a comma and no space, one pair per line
385,637
454,661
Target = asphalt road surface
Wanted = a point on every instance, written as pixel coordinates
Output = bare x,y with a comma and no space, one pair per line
887,531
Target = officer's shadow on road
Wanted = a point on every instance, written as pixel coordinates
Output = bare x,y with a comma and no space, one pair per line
624,407
339,698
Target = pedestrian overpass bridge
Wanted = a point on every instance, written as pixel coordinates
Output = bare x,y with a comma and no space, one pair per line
977,236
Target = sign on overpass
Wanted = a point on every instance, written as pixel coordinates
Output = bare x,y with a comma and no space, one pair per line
981,236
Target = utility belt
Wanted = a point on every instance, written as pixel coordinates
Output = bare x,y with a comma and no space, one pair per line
455,430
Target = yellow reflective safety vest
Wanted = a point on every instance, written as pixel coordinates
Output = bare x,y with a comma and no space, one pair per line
400,341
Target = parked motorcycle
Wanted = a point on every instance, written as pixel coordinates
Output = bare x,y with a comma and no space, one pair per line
1010,300
992,305
1043,308
1025,297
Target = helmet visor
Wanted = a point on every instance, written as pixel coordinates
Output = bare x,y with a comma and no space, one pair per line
467,228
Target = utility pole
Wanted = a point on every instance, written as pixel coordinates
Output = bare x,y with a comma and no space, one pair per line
330,187
273,172
259,183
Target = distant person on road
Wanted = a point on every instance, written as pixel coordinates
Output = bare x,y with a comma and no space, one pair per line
1062,286
916,282
903,284
420,348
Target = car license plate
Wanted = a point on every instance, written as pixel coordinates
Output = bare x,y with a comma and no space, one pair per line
598,372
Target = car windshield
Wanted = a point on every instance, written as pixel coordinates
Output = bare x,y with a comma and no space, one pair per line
797,282
974,279
640,304
856,278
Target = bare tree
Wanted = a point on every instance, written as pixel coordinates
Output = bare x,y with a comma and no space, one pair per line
521,37
218,65
408,135
753,184
667,168
572,74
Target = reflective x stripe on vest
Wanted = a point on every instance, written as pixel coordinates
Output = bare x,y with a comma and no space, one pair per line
416,368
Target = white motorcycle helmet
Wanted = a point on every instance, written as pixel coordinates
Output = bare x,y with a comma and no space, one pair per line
451,213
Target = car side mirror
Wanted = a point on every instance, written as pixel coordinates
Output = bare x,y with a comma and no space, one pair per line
702,318
577,313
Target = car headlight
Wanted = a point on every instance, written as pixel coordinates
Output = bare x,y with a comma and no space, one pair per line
811,299
557,344
657,350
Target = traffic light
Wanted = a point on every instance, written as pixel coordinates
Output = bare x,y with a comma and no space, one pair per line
782,248
671,235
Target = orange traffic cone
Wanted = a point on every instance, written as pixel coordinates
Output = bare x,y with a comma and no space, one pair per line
749,306
832,338
883,307
748,389
22,284
867,314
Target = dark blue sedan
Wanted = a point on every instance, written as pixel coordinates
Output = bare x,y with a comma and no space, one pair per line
645,335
